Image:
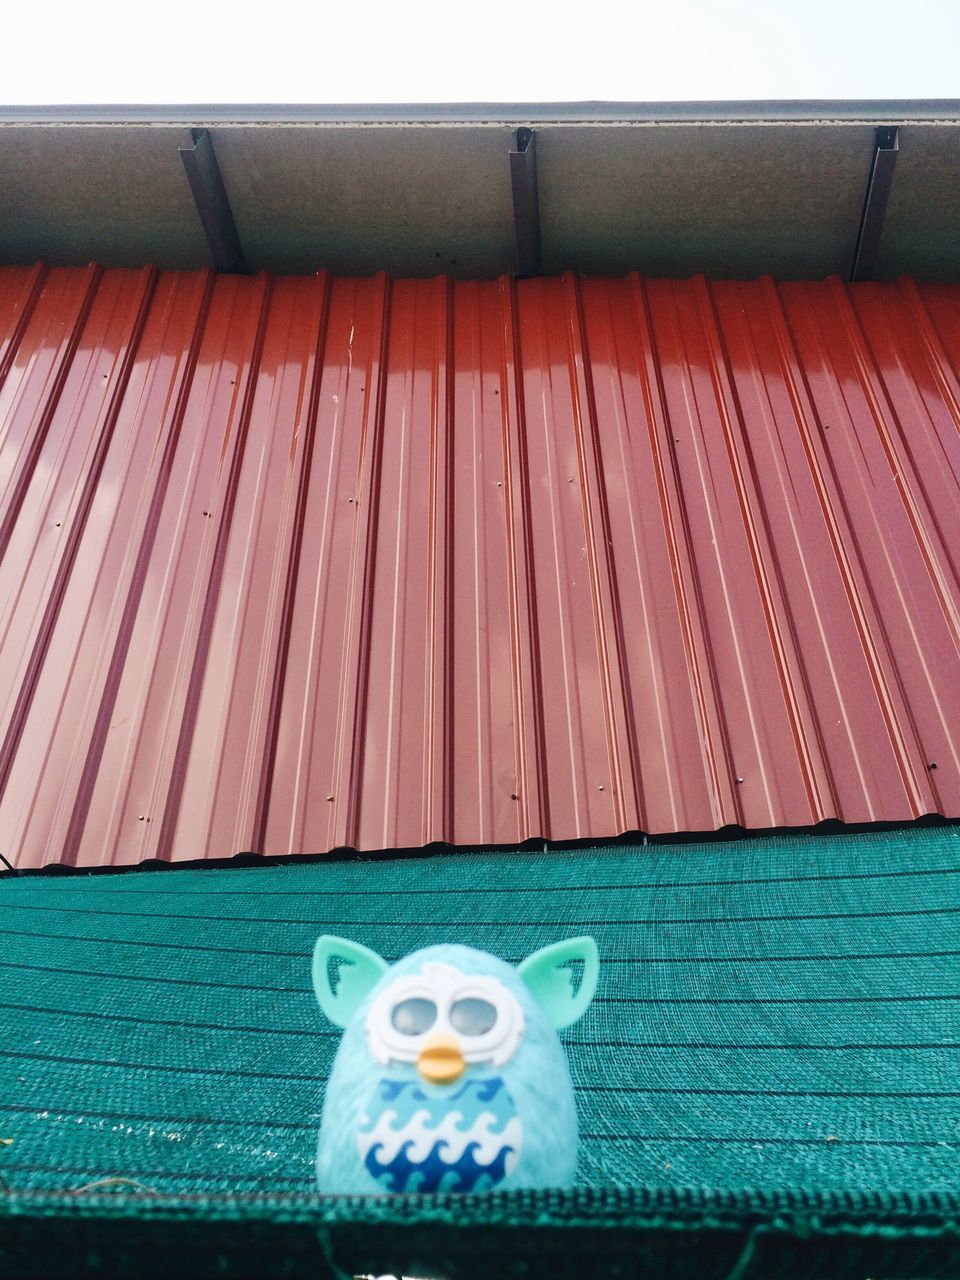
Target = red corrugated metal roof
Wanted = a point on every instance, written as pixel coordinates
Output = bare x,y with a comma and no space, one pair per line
290,564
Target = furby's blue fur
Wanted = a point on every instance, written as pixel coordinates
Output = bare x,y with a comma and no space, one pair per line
525,1106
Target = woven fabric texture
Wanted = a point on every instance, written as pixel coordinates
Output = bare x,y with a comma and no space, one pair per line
776,1030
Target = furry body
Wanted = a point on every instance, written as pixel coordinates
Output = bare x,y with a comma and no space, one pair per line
386,1130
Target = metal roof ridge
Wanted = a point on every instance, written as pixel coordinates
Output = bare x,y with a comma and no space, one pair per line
844,111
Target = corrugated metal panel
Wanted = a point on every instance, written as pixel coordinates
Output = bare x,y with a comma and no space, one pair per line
291,564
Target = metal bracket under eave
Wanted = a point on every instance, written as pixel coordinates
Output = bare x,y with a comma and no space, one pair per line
885,147
526,203
210,197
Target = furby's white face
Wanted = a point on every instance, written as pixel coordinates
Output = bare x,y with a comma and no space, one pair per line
444,1020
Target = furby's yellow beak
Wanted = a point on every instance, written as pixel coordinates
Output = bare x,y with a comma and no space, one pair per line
441,1060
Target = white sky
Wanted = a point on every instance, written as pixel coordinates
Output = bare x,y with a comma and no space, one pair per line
169,51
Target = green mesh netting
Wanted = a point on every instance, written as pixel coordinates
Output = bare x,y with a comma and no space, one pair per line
771,1067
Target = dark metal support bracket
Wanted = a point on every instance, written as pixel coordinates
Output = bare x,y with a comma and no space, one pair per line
885,148
210,197
526,203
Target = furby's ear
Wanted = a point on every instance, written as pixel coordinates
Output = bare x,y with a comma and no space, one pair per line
343,973
549,975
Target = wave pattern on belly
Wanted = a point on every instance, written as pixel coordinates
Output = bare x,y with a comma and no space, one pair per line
469,1141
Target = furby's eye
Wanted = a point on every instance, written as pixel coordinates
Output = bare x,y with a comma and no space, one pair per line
472,1016
414,1016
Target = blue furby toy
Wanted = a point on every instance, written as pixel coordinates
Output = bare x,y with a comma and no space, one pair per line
450,1075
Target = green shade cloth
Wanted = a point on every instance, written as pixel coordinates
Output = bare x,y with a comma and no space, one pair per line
771,1067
